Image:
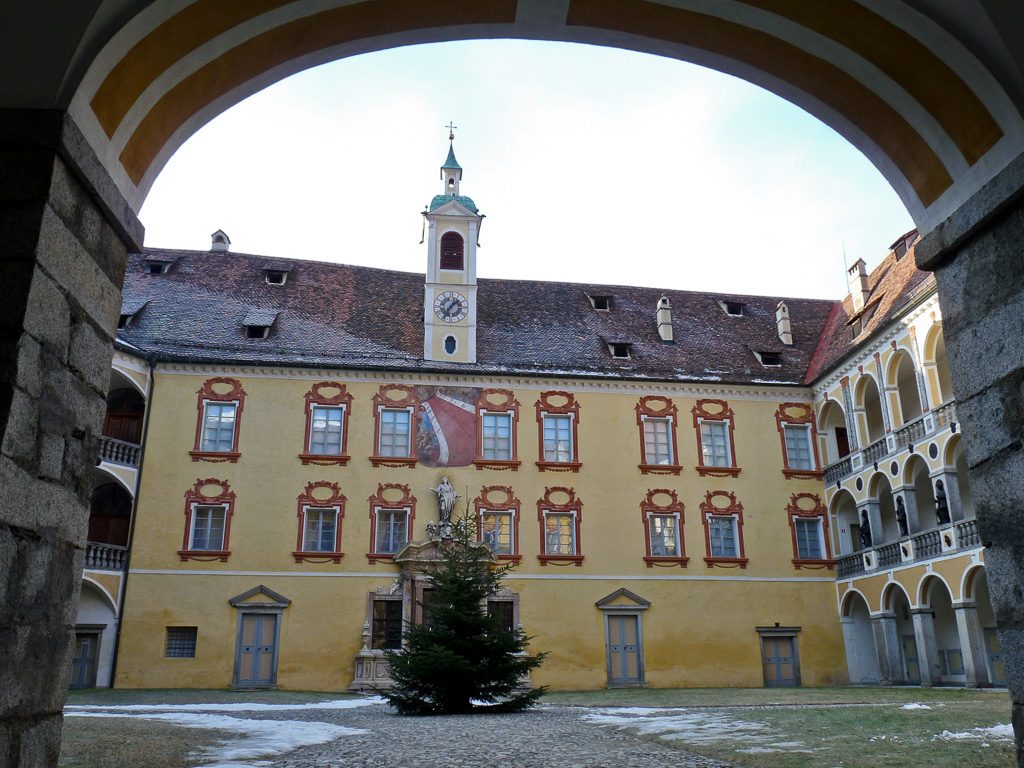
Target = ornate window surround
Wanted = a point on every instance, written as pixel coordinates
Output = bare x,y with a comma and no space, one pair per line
712,410
733,510
547,407
490,500
572,506
308,499
645,410
407,401
207,393
194,497
648,507
814,510
794,414
505,403
342,400
377,503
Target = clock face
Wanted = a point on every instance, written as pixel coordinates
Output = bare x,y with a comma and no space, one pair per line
451,306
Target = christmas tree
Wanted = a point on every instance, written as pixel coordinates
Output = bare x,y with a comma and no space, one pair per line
461,658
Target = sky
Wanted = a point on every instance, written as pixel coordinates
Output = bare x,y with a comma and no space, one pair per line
591,164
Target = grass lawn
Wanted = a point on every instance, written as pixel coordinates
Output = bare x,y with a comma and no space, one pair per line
823,727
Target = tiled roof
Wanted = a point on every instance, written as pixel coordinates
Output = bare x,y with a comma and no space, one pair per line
892,284
260,316
332,315
440,200
450,161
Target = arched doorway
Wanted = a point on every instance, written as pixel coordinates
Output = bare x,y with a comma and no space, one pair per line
846,523
935,358
950,666
95,632
919,484
870,401
897,604
881,491
903,376
832,426
861,656
976,589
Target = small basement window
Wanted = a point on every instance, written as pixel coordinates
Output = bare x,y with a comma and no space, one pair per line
601,304
619,349
181,643
276,276
157,267
732,308
769,359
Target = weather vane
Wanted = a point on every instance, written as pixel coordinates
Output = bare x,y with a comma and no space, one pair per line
451,130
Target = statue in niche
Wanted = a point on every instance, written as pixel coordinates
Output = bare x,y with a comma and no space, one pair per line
446,498
941,505
901,516
865,531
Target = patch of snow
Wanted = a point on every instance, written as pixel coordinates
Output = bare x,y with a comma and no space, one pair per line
1001,732
694,727
915,705
234,707
259,738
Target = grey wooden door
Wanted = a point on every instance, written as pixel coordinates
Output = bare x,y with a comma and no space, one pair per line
256,655
995,657
83,664
624,662
779,657
913,669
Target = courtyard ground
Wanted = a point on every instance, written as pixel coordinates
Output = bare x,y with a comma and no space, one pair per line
796,728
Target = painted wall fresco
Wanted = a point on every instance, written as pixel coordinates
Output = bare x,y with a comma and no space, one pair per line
446,432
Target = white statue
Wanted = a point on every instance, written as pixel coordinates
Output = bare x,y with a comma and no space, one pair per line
446,497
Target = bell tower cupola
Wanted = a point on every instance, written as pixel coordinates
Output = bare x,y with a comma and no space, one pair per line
452,231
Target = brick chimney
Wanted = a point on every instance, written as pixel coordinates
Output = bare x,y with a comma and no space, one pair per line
782,323
665,320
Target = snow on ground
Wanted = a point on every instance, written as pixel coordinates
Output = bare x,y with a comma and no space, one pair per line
1001,732
915,705
237,707
257,738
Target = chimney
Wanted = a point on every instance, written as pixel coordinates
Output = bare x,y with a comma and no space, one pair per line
665,320
782,323
858,277
219,241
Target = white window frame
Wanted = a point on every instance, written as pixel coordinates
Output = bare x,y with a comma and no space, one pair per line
508,513
306,509
725,425
483,435
341,430
570,515
408,433
735,536
553,456
203,447
192,527
818,523
806,430
668,422
675,528
377,528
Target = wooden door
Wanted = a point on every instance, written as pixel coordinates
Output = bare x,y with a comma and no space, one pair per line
256,655
779,658
624,662
83,664
910,662
995,657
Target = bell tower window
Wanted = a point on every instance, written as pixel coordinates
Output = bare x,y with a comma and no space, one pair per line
449,345
451,251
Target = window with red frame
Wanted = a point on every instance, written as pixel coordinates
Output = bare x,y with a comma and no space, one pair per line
656,417
321,508
497,521
662,514
799,438
395,409
219,407
558,415
808,522
392,511
714,423
328,410
722,517
497,418
452,247
559,514
209,506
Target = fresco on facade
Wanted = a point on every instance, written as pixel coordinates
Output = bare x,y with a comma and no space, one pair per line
446,432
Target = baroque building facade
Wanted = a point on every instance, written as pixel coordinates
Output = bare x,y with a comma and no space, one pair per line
696,489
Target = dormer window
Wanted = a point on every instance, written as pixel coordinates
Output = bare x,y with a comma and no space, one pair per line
129,309
619,349
769,359
123,321
276,276
452,251
601,304
257,331
732,308
157,267
258,322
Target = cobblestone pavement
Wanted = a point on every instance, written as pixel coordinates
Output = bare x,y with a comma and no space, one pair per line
555,737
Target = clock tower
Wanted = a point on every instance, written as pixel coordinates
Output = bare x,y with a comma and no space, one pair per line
449,306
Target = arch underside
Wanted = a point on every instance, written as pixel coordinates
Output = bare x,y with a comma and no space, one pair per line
910,97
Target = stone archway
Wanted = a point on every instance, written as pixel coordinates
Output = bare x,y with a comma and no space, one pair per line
932,93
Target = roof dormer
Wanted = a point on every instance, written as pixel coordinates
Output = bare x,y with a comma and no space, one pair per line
219,241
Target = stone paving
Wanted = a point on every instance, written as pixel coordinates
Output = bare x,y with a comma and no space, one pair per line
555,737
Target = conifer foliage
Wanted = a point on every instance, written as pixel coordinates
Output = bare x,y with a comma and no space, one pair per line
460,659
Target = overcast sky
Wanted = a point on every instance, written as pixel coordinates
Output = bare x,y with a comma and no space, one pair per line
591,165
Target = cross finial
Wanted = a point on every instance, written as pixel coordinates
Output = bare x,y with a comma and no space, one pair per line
451,130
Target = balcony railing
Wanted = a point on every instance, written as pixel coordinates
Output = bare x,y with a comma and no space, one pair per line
923,546
849,565
967,533
119,452
875,451
927,544
105,557
910,433
888,555
837,471
944,415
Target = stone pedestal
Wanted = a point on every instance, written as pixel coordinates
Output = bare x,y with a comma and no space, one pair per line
887,646
927,648
972,646
61,267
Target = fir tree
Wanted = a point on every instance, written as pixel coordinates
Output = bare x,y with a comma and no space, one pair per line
461,659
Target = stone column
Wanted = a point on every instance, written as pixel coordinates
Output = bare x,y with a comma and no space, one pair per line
61,268
979,267
909,496
887,646
972,645
874,511
927,648
952,488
